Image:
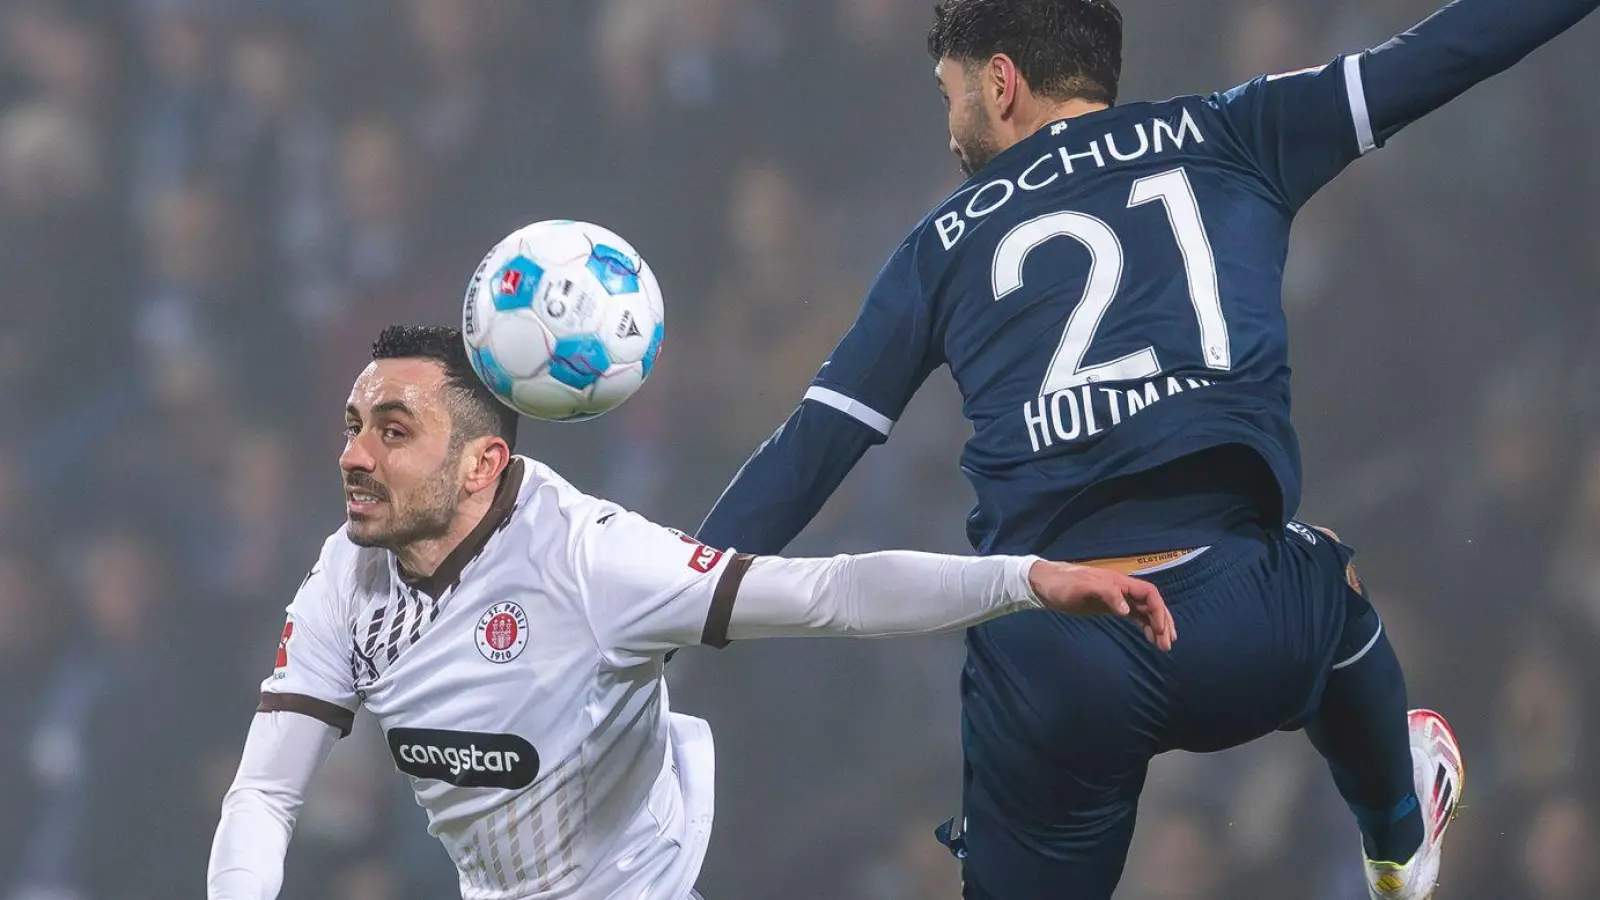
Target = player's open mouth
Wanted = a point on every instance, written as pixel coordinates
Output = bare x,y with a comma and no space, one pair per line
361,501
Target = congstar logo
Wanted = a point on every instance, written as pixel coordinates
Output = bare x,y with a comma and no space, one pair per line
465,758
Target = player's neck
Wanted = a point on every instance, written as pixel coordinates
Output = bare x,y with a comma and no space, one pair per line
1055,112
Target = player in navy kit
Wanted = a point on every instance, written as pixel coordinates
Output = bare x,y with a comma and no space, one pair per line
1105,289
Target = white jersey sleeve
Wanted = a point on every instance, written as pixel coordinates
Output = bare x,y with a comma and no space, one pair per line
281,755
313,675
883,594
647,589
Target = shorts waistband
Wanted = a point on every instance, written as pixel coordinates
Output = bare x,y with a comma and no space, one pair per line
1145,563
1169,569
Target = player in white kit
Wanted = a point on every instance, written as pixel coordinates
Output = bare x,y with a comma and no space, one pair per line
508,633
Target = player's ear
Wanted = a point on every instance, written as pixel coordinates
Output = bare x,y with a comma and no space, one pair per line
482,461
1003,83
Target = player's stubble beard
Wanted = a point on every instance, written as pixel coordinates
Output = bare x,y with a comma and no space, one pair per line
975,137
427,514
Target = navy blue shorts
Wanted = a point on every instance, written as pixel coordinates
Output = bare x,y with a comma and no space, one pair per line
1061,716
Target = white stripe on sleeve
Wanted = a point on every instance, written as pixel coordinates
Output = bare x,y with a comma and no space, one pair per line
861,412
1357,92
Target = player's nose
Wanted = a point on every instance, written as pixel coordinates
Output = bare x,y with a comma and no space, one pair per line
356,457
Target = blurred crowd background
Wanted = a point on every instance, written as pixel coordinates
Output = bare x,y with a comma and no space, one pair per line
208,208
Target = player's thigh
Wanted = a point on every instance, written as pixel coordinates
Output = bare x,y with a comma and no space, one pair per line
1002,866
1060,719
1355,633
1059,714
1257,635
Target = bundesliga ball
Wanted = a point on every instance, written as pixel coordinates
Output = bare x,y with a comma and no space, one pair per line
563,320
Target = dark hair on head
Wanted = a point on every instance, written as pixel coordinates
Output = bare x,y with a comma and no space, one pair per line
475,412
1066,49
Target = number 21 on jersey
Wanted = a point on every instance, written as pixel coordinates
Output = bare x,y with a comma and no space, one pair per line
1067,370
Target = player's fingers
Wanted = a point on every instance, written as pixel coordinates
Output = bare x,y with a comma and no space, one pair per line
1146,598
1162,638
1116,599
1121,597
1141,592
1152,610
1164,625
1156,631
1168,629
1097,593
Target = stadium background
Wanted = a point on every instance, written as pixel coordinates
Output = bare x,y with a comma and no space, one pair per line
209,207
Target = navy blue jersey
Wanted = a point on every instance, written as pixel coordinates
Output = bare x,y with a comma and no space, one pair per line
1106,293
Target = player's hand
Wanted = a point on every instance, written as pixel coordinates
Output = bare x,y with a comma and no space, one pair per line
1087,591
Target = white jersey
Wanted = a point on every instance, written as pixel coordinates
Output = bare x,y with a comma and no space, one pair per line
520,689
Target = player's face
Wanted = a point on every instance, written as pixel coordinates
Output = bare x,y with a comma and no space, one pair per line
972,132
402,480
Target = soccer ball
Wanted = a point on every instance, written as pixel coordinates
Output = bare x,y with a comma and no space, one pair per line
563,320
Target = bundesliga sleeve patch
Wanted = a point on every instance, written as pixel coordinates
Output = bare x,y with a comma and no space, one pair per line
702,559
282,661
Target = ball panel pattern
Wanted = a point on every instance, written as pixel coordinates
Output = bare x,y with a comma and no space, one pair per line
489,369
521,344
649,361
563,320
616,271
515,284
578,362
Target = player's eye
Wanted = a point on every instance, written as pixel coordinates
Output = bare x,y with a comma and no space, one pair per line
351,429
391,433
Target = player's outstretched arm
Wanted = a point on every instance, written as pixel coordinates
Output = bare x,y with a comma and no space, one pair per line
1462,44
649,590
281,755
783,485
850,406
1302,128
903,592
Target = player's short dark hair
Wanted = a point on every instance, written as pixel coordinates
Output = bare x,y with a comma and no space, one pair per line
1066,49
474,411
